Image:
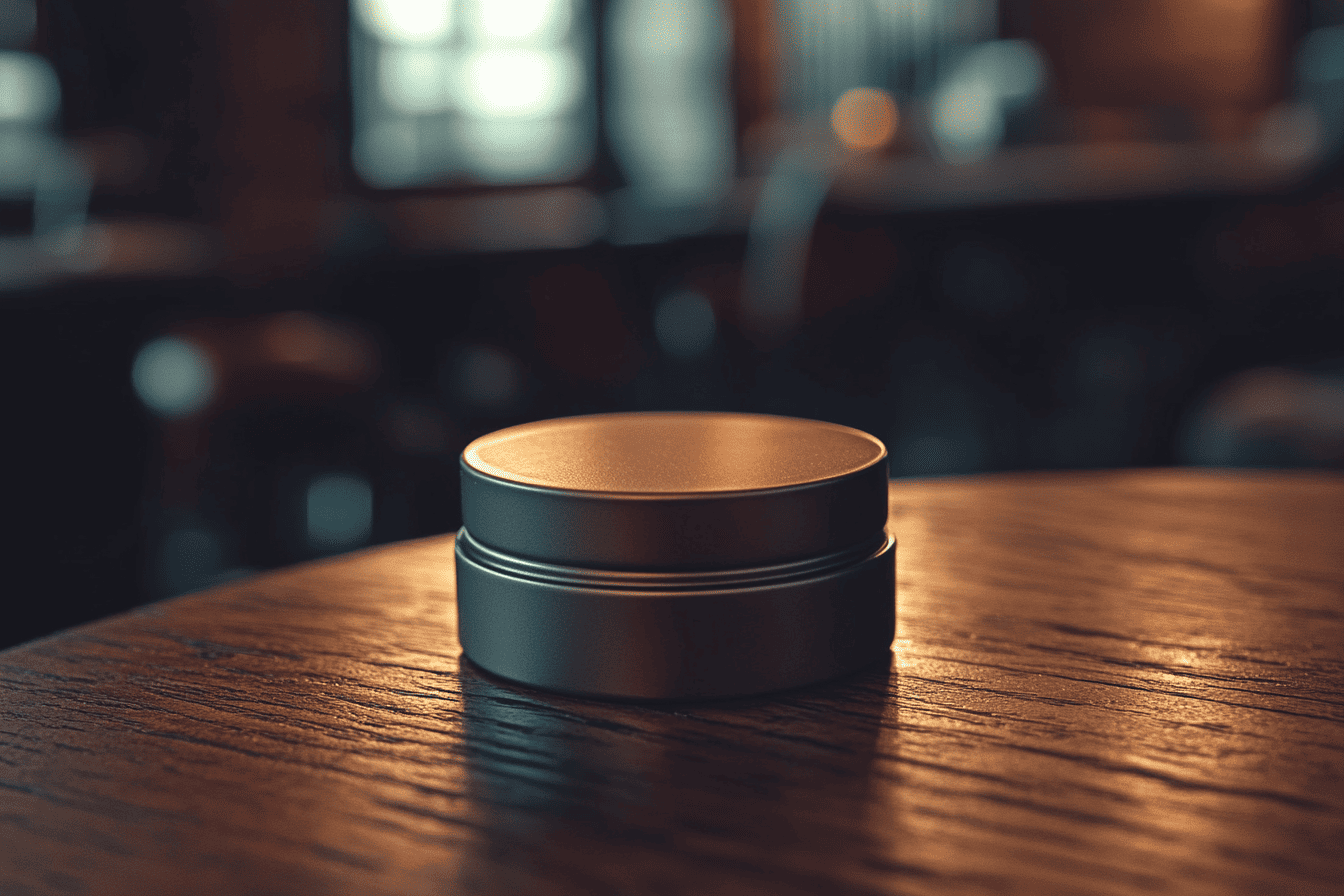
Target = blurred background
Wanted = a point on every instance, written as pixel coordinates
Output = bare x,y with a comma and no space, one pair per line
266,266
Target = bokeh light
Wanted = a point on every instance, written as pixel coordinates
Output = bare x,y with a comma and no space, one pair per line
29,91
1013,66
298,339
339,512
864,118
967,122
173,377
968,111
684,325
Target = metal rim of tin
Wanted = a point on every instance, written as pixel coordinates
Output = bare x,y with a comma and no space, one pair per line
663,595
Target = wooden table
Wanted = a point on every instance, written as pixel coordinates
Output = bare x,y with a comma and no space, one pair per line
1102,683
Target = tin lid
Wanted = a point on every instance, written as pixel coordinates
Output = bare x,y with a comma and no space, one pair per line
674,491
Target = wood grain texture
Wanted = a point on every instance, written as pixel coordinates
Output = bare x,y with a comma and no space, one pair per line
1105,683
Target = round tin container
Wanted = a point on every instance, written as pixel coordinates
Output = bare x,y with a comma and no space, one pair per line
672,556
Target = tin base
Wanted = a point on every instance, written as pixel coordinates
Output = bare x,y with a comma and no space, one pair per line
675,636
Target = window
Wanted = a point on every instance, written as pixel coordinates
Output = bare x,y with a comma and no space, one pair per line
488,91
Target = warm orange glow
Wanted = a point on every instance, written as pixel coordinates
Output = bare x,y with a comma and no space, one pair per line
304,340
296,338
864,118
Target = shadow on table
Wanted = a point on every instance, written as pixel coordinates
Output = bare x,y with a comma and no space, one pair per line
729,795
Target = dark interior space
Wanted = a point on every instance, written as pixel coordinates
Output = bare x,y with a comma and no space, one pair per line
251,311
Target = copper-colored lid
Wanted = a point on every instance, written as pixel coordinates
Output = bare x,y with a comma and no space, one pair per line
673,454
672,491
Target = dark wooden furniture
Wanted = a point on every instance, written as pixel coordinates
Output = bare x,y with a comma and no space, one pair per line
1102,683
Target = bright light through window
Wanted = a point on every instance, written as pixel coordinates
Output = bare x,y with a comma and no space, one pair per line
507,150
504,97
416,79
520,82
537,20
407,21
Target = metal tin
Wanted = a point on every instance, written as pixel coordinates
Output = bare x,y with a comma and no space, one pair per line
675,556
